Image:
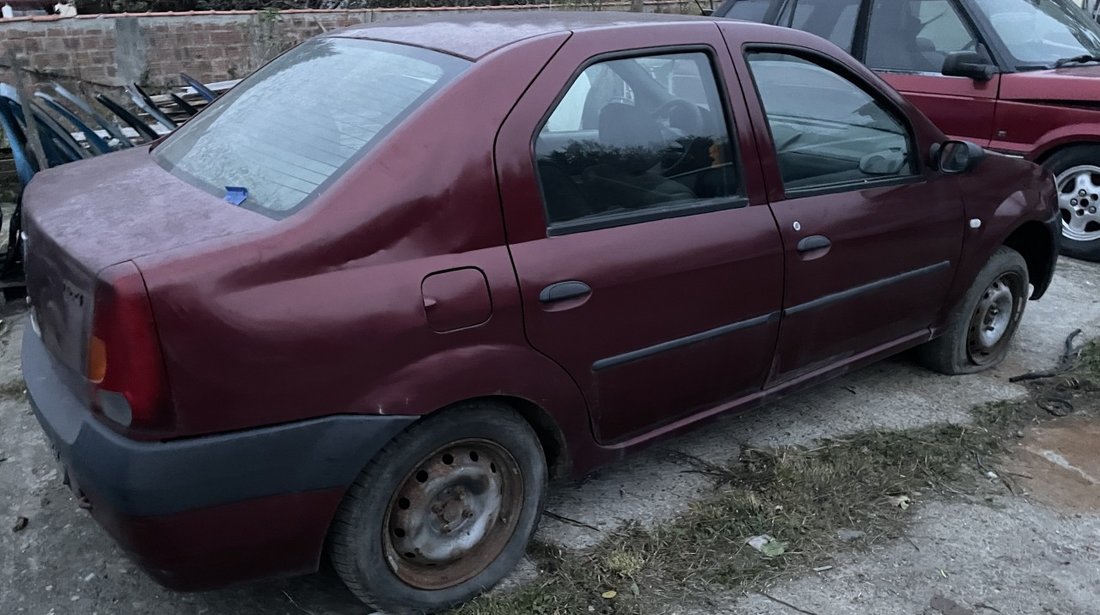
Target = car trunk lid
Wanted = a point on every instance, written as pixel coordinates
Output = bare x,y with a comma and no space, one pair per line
83,217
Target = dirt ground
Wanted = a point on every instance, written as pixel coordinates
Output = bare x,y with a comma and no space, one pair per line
1034,550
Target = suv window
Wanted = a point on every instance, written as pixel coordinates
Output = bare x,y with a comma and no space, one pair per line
827,131
645,134
749,10
834,20
915,35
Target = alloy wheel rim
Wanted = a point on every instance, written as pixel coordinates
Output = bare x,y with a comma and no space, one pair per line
993,318
1079,202
453,514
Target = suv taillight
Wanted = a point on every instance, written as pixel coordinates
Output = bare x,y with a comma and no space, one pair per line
125,366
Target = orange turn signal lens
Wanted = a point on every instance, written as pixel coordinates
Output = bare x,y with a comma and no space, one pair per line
97,360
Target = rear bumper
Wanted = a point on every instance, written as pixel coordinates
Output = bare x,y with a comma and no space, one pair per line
208,511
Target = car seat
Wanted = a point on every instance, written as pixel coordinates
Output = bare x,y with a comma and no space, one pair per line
634,144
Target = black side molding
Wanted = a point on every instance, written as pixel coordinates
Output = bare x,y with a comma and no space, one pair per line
865,288
642,353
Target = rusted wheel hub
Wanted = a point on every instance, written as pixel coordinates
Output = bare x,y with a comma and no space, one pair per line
993,318
453,514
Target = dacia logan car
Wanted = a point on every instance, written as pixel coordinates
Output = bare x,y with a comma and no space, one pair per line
371,299
1018,76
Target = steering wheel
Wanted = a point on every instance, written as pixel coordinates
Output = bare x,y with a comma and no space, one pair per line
679,119
683,112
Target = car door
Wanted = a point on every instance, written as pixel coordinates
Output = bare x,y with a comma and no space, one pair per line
906,43
649,265
871,236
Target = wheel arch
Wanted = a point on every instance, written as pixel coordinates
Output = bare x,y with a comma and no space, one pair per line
554,444
1049,150
1033,241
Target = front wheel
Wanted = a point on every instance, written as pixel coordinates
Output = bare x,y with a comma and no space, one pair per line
443,513
1077,176
981,327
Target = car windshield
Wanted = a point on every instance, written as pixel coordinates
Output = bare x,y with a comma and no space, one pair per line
299,121
1038,33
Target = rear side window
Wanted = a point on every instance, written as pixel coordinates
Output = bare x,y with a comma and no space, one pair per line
643,136
749,10
827,131
834,20
302,119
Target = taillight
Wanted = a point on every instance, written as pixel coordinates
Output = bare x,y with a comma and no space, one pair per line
124,366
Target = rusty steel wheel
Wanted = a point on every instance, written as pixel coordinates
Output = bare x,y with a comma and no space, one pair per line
443,512
453,514
995,315
979,330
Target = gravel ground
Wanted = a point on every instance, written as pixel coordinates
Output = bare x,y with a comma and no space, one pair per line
1010,554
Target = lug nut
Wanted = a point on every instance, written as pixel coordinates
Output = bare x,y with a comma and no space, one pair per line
1081,193
1073,201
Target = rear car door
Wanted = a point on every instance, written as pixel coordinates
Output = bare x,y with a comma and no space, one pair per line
871,236
649,266
906,43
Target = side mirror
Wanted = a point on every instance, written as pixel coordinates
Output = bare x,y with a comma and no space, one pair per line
954,157
886,162
968,64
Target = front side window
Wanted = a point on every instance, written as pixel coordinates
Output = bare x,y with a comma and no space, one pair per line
636,135
1038,33
915,35
300,120
827,131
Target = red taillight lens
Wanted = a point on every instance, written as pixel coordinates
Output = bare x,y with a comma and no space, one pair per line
124,365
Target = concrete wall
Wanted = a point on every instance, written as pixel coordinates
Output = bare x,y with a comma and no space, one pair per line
96,52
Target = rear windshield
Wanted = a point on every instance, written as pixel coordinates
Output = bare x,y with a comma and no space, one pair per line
302,119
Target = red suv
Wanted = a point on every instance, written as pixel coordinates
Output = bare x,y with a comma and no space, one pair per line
1016,76
375,295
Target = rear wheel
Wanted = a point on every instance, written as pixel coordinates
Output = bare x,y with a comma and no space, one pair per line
443,513
1077,176
981,327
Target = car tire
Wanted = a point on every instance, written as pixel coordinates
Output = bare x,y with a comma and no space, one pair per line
980,328
1080,214
443,513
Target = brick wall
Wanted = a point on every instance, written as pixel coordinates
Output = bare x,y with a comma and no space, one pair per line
100,52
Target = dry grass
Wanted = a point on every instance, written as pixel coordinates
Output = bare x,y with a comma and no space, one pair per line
801,497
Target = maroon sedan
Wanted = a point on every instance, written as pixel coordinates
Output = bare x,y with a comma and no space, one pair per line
373,297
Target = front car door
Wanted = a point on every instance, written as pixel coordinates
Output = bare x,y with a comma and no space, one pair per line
906,43
871,235
649,266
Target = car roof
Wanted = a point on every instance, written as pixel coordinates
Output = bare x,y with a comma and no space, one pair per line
474,35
